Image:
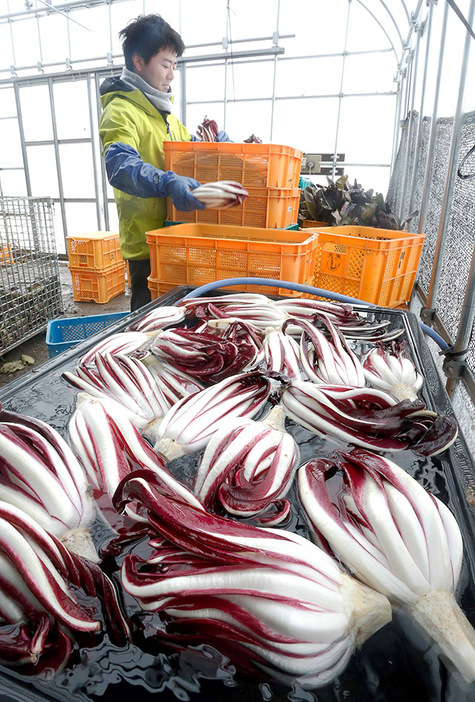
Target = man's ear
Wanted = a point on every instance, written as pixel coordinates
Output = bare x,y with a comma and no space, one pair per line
138,62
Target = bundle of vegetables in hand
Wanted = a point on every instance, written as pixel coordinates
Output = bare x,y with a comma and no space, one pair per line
340,203
221,195
253,139
208,130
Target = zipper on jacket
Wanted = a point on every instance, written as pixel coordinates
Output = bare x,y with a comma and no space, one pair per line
169,131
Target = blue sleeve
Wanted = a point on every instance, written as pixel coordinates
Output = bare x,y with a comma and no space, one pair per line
127,171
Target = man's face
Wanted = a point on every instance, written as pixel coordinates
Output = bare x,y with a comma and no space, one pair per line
159,71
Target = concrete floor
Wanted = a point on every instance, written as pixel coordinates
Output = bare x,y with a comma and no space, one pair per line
36,346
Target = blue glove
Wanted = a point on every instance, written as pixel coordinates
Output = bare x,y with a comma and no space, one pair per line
126,171
222,136
178,189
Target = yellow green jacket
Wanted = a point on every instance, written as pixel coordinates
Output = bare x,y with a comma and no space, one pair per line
128,117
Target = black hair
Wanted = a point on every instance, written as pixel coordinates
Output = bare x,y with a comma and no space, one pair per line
146,36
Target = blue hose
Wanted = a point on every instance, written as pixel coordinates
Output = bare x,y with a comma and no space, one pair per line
299,287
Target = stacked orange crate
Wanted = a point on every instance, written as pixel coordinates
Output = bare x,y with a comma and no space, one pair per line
249,240
96,266
269,172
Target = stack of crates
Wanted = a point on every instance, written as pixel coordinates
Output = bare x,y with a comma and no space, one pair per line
96,266
269,172
258,238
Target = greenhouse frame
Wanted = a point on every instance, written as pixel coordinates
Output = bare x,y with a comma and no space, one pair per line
378,96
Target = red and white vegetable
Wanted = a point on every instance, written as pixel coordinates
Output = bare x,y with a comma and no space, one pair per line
39,575
123,343
208,130
368,418
221,195
391,369
190,423
397,538
282,354
327,357
271,599
208,356
40,475
110,447
248,467
129,382
159,318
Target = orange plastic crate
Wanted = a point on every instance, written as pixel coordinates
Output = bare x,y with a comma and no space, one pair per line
375,265
265,207
6,254
98,286
195,254
253,165
158,288
94,250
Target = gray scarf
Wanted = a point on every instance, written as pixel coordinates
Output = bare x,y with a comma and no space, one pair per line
160,100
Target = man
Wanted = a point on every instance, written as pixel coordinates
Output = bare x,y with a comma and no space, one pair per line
135,122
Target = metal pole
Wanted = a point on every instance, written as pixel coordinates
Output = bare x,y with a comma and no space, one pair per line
451,173
467,313
464,331
21,129
58,161
340,95
433,126
104,182
417,150
410,164
95,166
397,118
275,40
183,104
226,46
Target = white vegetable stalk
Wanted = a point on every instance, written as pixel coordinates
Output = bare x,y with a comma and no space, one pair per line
248,467
397,538
342,411
259,316
279,602
391,370
350,323
174,384
40,475
302,308
218,301
189,425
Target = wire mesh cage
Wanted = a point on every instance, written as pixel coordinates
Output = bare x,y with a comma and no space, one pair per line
30,285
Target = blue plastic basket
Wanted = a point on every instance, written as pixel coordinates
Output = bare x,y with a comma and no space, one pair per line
61,334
